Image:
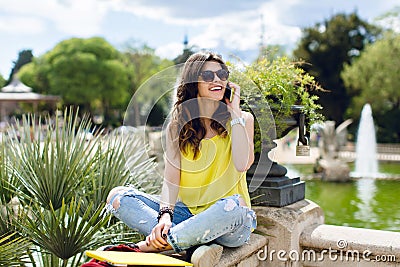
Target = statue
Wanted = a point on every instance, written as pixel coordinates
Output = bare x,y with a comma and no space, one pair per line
328,164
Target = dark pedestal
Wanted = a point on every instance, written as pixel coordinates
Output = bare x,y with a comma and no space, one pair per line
267,180
276,191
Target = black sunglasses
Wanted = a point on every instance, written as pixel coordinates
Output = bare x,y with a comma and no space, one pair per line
208,75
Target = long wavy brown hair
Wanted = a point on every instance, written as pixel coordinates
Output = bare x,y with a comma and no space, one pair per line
186,117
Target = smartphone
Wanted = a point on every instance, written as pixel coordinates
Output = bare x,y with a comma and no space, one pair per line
229,92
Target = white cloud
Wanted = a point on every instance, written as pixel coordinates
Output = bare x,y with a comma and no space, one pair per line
21,25
390,21
74,17
169,12
307,13
243,30
194,13
227,25
177,11
84,18
240,30
139,9
80,17
169,51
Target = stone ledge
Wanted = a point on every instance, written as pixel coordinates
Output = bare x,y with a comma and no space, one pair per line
352,239
284,227
245,255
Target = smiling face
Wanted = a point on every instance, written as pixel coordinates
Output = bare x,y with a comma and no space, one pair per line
214,89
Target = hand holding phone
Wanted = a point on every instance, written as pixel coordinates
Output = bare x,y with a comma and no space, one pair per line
229,92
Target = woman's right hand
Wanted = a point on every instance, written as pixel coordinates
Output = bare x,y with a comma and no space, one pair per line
158,235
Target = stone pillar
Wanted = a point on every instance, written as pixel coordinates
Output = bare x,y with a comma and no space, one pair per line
283,227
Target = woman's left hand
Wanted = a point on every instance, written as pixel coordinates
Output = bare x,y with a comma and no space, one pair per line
234,106
158,236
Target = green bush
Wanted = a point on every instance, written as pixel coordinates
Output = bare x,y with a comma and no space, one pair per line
61,175
273,87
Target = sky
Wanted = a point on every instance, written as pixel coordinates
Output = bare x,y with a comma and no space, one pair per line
229,27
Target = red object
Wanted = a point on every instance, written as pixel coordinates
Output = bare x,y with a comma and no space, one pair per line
121,247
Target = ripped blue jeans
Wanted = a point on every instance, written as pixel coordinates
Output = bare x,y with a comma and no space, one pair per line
225,222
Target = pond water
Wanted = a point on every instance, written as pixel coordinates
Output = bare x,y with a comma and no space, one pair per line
366,203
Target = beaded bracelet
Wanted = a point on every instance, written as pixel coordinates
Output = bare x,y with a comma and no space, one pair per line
164,210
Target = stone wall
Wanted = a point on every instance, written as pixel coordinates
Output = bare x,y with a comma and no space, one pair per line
246,255
350,246
296,235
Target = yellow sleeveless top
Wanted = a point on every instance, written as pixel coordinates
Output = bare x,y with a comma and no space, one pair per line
211,176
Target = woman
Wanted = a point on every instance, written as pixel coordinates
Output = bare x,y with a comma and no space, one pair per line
209,147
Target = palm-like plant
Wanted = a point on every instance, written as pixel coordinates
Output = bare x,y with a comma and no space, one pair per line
63,181
51,170
120,160
13,251
63,232
7,183
8,180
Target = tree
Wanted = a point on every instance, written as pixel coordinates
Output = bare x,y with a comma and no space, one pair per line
141,63
373,78
271,52
186,53
326,47
34,74
85,72
24,57
2,81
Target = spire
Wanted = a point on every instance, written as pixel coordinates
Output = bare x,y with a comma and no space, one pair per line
185,41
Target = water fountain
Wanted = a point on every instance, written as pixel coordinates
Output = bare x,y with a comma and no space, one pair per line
370,198
366,164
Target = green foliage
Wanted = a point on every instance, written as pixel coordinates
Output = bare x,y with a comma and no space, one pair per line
13,251
94,75
86,72
142,63
51,171
35,74
373,78
62,179
271,52
64,232
119,160
186,53
8,179
326,47
8,212
389,20
2,81
24,57
281,84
